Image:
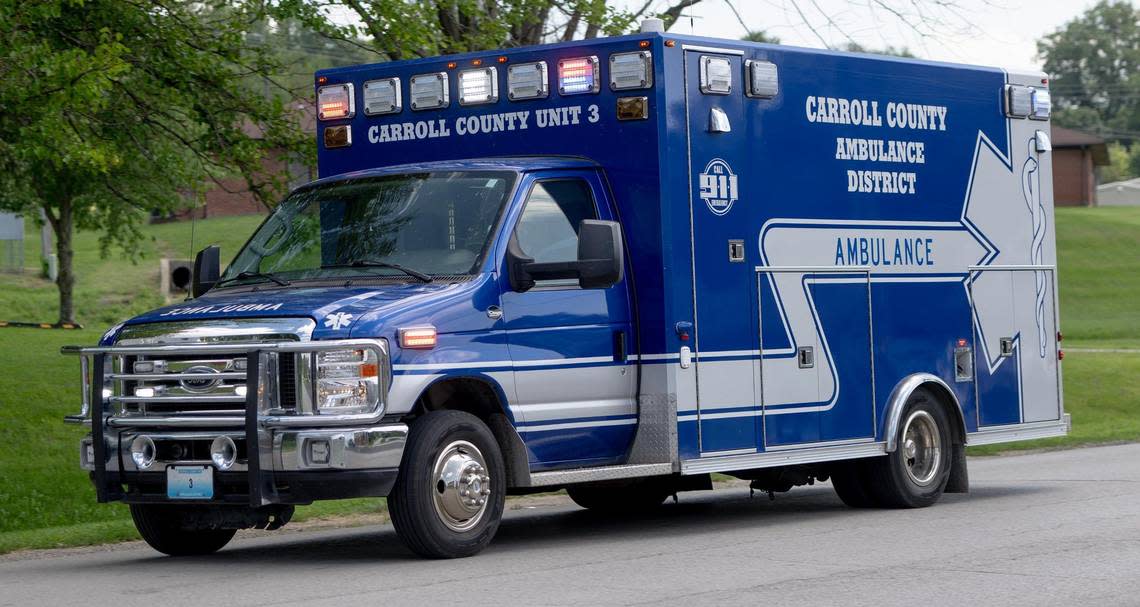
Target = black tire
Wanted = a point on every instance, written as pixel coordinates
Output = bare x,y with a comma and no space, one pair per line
890,482
629,498
850,481
418,520
163,527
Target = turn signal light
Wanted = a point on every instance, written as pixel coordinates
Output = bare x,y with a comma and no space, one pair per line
418,338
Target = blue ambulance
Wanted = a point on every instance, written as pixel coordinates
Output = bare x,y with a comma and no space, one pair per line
611,266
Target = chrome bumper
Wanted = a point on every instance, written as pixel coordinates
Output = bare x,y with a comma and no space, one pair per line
288,459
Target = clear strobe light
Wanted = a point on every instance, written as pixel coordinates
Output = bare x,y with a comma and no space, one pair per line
382,97
480,85
716,75
528,81
1042,103
631,70
578,75
1018,100
429,91
763,79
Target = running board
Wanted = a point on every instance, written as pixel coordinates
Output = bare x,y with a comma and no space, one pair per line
788,457
1006,434
600,473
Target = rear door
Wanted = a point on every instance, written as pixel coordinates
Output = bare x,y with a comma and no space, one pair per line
723,252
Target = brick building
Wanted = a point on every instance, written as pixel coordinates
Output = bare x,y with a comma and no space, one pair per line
1076,155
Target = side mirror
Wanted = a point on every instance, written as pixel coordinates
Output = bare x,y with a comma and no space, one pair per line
207,269
600,263
601,254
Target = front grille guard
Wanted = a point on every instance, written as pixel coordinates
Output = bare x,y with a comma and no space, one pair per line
259,424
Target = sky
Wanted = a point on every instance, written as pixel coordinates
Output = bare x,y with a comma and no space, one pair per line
999,33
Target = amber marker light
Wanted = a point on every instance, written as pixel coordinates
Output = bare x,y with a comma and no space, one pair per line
476,62
503,59
670,43
452,65
418,338
643,44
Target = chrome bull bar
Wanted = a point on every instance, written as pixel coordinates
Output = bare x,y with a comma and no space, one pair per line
261,420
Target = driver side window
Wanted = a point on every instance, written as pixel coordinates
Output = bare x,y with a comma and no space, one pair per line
548,227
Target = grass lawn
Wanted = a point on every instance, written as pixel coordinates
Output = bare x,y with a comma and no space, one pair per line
47,501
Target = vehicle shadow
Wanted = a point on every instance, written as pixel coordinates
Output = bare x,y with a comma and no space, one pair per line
551,526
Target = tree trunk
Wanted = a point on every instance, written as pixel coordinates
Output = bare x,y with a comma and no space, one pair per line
64,230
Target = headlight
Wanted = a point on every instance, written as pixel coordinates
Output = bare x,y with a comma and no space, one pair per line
348,381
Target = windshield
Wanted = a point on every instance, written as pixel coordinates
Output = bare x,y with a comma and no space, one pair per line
400,225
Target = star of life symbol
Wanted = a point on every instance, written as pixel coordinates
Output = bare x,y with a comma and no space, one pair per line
338,320
718,186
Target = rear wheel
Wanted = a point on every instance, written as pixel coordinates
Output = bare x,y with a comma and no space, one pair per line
449,495
165,528
915,474
625,498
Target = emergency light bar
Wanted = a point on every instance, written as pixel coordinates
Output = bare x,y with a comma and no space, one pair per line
631,71
335,101
429,91
716,75
382,97
480,85
579,75
527,81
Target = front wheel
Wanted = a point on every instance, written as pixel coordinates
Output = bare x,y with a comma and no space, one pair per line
166,528
450,492
915,474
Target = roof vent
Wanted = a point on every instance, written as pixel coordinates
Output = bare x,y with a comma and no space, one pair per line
653,26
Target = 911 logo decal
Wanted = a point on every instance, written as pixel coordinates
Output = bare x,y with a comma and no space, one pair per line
718,186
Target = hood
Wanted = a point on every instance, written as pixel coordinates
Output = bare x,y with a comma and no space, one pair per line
339,312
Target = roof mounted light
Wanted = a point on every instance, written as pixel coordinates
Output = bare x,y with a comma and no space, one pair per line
579,75
1018,100
382,97
336,101
1042,103
716,75
527,81
478,86
630,71
429,91
763,80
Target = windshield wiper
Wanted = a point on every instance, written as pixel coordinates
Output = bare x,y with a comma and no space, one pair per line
371,263
247,274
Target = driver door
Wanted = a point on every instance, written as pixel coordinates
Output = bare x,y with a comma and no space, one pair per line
570,346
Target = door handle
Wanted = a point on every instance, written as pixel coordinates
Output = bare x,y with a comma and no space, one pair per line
686,357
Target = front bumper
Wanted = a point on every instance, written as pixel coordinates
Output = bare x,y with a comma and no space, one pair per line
281,459
304,465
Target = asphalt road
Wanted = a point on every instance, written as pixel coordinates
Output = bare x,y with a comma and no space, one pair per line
1049,528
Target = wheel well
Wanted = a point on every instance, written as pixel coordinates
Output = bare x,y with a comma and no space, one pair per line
899,397
953,411
481,399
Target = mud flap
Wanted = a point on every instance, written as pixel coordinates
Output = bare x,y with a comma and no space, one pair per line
959,481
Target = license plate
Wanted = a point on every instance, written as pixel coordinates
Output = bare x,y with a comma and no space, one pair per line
190,482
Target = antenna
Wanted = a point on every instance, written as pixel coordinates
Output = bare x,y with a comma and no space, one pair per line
193,223
692,17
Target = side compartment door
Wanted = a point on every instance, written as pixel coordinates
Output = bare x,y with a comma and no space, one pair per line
569,346
723,283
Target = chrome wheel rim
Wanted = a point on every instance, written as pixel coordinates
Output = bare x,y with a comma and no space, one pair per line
461,486
921,448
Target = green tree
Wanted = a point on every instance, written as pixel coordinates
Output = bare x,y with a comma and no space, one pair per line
1120,163
400,29
116,108
1094,64
854,47
760,36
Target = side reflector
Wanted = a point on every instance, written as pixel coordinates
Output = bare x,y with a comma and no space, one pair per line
429,91
631,71
527,81
579,75
763,80
716,75
418,338
479,86
335,101
382,97
338,136
633,108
